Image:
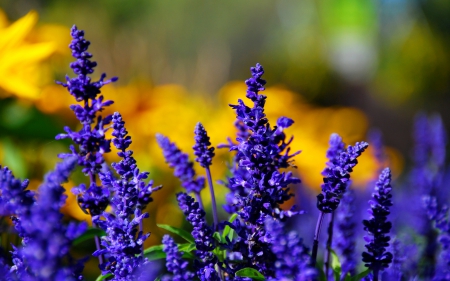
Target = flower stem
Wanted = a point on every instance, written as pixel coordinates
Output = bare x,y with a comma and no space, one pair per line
141,230
96,238
328,248
316,240
375,274
98,245
199,200
213,199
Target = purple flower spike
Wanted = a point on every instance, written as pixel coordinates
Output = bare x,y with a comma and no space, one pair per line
15,199
90,140
123,243
174,262
48,240
202,150
257,186
183,168
337,173
255,84
345,241
81,87
439,215
292,257
377,258
202,233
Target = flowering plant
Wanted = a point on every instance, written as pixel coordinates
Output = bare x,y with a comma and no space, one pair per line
253,242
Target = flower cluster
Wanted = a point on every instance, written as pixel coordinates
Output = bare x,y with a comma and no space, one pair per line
201,148
91,140
124,232
377,258
45,240
344,243
175,264
254,241
183,168
337,172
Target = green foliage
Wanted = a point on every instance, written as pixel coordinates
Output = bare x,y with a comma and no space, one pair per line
251,273
89,234
336,265
103,277
156,252
178,231
360,275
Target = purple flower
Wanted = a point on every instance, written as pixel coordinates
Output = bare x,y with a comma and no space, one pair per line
90,140
257,185
377,258
291,257
124,239
15,199
174,262
202,150
202,232
48,240
183,168
208,273
344,242
81,86
439,215
376,142
337,173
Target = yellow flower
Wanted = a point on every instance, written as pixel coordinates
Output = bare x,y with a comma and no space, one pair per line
20,59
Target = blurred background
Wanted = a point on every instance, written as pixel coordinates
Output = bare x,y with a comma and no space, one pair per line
343,66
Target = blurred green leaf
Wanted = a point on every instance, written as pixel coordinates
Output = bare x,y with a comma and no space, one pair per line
12,157
103,277
251,273
228,230
180,232
361,275
335,265
89,234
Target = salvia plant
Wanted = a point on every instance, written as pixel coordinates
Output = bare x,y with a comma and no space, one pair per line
254,236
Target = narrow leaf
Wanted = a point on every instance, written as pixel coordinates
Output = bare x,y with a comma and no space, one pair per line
217,236
89,234
180,232
103,277
155,253
335,263
227,228
361,275
251,273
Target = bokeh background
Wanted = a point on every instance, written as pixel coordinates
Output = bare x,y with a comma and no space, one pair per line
344,66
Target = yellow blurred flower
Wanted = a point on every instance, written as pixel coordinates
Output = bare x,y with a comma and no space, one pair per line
20,72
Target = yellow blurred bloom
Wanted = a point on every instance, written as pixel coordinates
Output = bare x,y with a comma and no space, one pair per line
20,72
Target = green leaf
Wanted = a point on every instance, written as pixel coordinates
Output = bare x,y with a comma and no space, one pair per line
13,158
335,265
228,230
188,256
251,273
155,253
348,277
103,277
187,247
88,234
153,248
218,237
361,275
180,232
319,268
